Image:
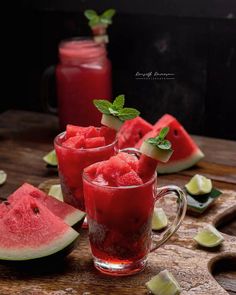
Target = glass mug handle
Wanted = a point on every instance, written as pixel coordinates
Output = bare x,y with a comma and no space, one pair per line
48,89
158,240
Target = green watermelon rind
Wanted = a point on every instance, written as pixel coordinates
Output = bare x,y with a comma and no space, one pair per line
75,218
111,121
181,164
66,240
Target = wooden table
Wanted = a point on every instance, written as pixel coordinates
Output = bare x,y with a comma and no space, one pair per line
25,137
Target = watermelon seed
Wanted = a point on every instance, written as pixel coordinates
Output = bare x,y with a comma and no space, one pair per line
6,203
175,132
36,210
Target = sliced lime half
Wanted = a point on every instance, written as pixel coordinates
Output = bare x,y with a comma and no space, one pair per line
3,177
163,284
55,191
159,219
199,185
51,158
209,237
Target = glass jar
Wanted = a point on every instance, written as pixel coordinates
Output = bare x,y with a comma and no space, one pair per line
83,74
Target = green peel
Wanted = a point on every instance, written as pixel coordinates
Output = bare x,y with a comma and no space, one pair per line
51,158
3,177
163,284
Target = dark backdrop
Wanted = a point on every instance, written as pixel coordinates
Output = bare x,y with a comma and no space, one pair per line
194,41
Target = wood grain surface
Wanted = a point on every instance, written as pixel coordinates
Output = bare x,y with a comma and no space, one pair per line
25,137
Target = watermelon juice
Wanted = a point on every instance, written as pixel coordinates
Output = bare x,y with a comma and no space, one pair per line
120,199
119,211
76,149
83,74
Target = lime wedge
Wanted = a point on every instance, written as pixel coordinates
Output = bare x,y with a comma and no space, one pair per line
163,284
209,237
3,177
51,158
159,219
199,185
55,191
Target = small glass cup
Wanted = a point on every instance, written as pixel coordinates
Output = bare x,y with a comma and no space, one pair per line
119,220
72,161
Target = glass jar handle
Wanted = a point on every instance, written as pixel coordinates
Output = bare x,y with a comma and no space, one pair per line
181,210
48,88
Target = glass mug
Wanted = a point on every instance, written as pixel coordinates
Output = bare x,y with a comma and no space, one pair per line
83,74
119,220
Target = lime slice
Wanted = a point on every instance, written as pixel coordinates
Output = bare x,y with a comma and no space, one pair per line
163,284
3,177
209,237
51,158
155,153
55,191
159,219
199,185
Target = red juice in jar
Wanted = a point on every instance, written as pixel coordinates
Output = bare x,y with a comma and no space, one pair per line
119,210
83,74
76,149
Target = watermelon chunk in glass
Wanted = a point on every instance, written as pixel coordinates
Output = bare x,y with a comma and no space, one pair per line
94,142
127,179
77,141
186,152
132,131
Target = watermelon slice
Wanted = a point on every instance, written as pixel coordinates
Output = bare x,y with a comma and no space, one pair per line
132,131
30,231
69,214
186,152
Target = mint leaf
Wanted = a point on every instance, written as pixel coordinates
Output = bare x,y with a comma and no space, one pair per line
160,141
128,113
90,14
113,111
164,145
164,131
94,21
109,13
119,102
103,105
106,17
116,108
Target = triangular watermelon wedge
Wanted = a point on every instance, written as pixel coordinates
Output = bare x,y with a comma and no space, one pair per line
30,231
69,214
186,152
132,131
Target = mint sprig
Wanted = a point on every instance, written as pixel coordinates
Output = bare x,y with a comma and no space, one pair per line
116,108
160,141
104,19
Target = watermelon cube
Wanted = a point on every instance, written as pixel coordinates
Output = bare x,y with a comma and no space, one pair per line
94,142
113,168
91,132
72,130
77,142
127,179
130,159
108,133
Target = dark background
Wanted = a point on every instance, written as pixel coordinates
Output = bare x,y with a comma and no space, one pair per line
194,40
